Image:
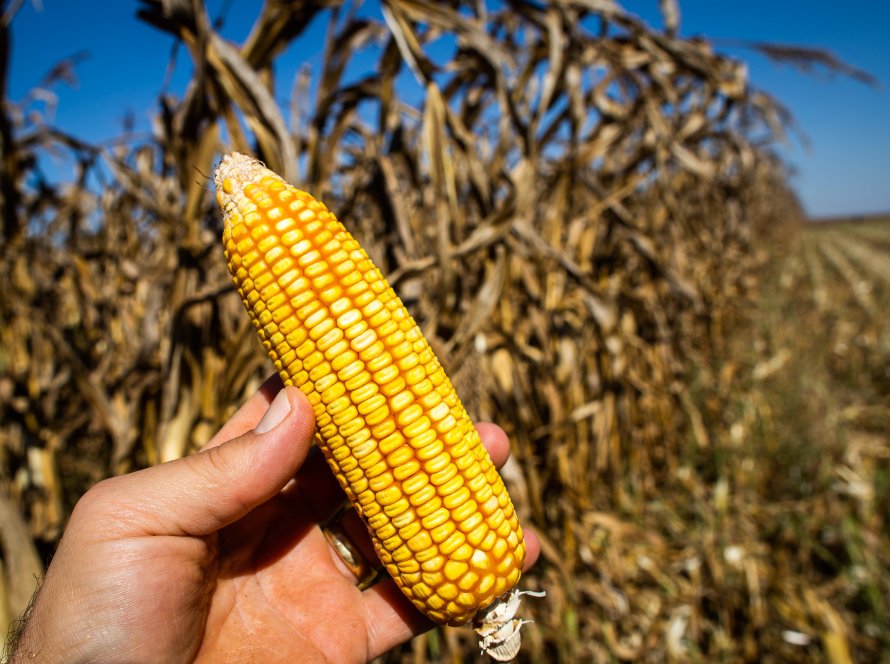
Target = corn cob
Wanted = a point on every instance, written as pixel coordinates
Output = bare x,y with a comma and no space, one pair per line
389,422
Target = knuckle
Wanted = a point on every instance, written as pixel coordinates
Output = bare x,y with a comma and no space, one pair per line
98,495
215,466
219,466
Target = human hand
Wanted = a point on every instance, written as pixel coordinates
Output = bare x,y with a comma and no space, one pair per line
220,557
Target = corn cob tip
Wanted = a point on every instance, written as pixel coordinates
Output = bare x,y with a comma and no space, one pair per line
235,171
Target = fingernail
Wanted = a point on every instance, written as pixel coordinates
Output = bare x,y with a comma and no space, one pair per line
278,410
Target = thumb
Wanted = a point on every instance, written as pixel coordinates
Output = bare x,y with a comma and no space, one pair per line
202,493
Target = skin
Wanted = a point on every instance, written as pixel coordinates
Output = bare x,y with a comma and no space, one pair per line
219,557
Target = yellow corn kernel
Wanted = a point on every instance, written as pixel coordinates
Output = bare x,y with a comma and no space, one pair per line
391,426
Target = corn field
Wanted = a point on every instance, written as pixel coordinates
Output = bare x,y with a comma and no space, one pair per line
587,219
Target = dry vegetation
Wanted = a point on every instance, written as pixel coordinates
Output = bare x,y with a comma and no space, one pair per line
575,208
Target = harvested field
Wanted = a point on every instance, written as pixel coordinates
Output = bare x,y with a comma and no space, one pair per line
587,219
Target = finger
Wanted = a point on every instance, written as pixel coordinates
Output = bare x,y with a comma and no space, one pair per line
532,547
316,492
250,412
390,617
495,441
358,534
200,494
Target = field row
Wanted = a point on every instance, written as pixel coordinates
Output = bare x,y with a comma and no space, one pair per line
837,268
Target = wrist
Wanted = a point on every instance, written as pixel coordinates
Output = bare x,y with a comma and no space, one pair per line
58,627
37,639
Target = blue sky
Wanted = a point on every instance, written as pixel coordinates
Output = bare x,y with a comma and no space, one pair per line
845,169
